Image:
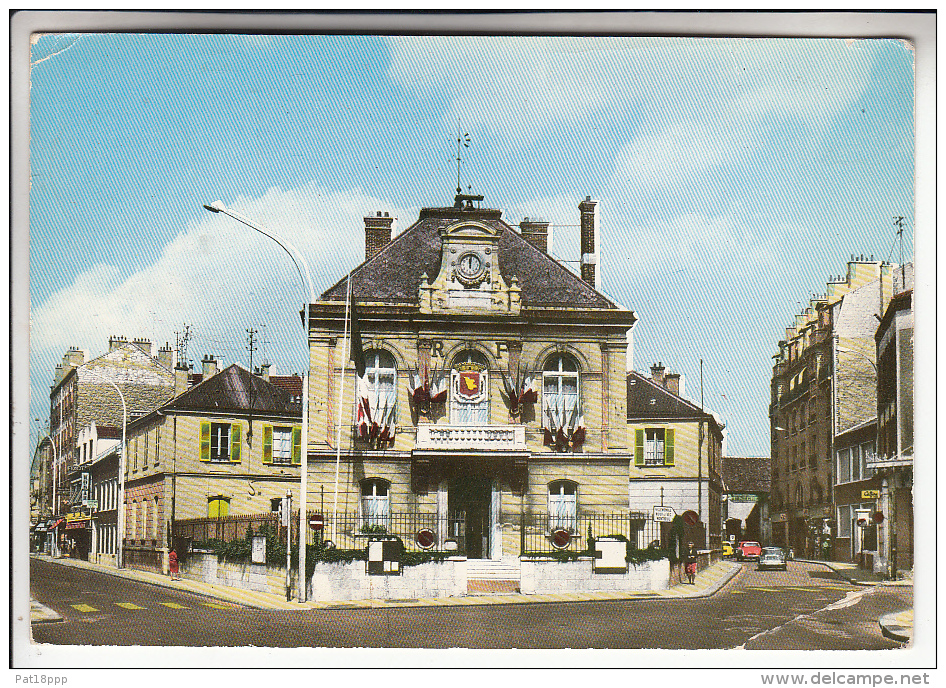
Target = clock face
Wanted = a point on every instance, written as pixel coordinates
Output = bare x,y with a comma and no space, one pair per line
470,264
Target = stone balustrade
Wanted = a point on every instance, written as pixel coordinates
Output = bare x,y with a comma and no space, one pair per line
480,437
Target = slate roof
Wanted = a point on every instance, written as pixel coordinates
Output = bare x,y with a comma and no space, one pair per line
108,432
746,474
235,389
647,399
288,383
394,274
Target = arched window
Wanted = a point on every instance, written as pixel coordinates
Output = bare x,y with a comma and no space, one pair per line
377,391
470,385
381,372
563,505
560,399
375,502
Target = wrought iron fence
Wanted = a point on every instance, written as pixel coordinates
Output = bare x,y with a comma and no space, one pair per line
547,533
225,528
353,531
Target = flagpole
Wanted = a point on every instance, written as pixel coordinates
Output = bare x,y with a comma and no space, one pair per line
341,401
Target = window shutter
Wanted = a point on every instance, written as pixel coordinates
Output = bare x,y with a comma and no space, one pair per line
296,446
668,447
235,442
205,440
639,447
267,444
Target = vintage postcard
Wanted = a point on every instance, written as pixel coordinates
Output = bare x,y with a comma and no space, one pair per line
472,332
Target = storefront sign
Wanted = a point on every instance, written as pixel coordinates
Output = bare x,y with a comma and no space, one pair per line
72,525
743,498
870,494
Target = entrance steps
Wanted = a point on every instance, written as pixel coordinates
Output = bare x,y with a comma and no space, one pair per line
490,576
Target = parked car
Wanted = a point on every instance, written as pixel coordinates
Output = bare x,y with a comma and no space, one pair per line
773,558
748,550
728,550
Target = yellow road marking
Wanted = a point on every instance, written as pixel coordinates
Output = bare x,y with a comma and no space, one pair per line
174,605
763,589
217,606
129,605
83,608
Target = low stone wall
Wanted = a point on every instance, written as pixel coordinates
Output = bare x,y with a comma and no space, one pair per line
547,576
350,581
205,567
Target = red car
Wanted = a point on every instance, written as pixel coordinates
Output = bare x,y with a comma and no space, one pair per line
748,550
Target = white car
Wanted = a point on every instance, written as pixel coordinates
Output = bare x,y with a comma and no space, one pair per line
772,558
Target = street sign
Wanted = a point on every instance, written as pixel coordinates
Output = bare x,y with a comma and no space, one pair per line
691,518
743,497
870,494
91,503
663,514
316,522
425,538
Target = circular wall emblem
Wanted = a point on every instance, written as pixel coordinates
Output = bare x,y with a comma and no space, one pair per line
425,538
560,538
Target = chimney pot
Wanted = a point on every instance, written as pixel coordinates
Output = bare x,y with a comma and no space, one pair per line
377,233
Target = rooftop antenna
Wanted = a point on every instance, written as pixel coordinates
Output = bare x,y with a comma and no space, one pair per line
180,345
898,221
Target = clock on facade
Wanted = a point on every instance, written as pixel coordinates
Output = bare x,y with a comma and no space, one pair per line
471,269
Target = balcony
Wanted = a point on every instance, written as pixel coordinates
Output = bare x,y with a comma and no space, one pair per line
876,462
491,438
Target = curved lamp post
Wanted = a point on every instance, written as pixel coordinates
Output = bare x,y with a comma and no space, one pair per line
303,269
54,545
120,555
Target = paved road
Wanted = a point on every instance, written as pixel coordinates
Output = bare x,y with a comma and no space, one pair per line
104,610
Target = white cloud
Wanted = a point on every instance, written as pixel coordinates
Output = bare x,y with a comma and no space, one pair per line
217,274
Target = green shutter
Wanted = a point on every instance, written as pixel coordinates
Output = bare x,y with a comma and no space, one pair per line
235,442
204,441
267,444
297,446
668,448
638,447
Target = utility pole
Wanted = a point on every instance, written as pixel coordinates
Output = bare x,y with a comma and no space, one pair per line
898,221
251,344
180,344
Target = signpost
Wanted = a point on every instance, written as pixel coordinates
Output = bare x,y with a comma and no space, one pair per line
663,514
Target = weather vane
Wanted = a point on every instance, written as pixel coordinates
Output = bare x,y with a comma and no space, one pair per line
464,140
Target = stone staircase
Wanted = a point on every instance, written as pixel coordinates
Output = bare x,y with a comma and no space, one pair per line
491,576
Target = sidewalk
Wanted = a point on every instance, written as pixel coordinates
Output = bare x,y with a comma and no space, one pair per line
897,626
40,613
708,582
856,576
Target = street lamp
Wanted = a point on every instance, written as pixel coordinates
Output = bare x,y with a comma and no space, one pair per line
303,269
119,558
867,358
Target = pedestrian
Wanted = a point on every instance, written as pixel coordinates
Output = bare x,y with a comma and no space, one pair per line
172,565
691,563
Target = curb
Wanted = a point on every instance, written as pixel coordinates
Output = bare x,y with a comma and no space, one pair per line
40,613
897,626
850,579
678,592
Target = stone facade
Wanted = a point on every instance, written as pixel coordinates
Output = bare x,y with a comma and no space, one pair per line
823,384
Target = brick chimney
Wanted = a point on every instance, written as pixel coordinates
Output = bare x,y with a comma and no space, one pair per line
209,366
181,379
657,373
116,342
166,356
143,344
589,241
536,232
377,234
672,383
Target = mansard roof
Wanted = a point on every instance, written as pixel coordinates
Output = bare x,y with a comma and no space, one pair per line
394,274
235,390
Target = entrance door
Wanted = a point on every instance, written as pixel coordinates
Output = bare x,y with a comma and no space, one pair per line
469,499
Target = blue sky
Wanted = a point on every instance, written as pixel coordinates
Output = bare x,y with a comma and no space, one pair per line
734,177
